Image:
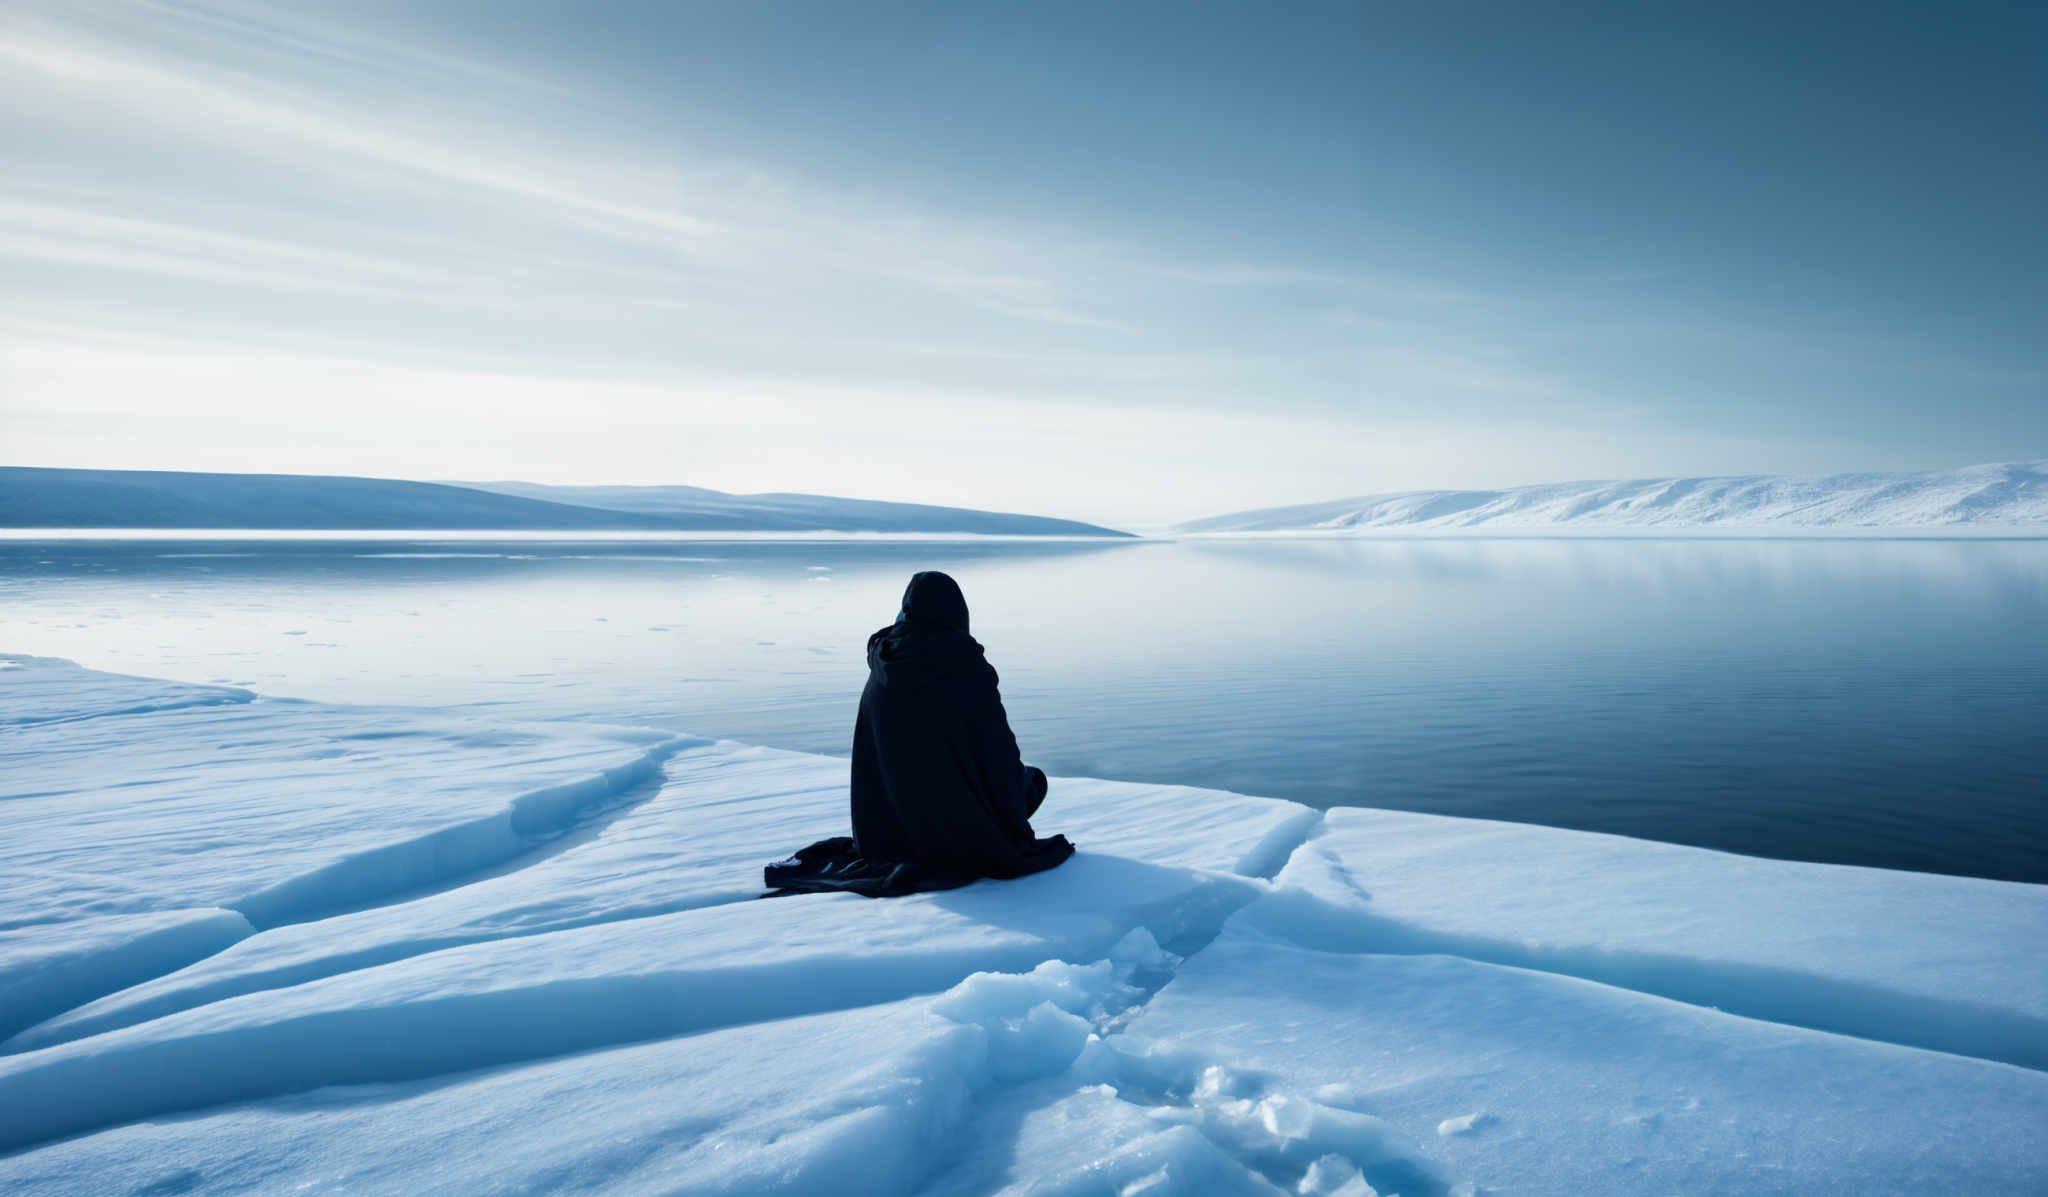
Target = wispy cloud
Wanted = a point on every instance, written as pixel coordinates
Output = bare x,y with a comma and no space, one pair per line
372,216
637,224
208,106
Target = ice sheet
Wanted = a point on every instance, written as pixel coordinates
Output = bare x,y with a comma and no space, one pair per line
1933,961
877,1099
146,798
47,690
441,975
723,811
1529,1082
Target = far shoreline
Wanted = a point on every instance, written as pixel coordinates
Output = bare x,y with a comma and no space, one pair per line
1162,536
533,536
1699,532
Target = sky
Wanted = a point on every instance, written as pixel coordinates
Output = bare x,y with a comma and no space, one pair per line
1131,263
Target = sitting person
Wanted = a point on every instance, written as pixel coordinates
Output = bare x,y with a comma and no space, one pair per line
940,794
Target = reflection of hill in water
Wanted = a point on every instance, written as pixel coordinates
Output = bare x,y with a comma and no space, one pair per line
1649,568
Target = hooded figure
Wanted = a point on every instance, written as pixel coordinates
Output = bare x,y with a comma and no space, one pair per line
940,794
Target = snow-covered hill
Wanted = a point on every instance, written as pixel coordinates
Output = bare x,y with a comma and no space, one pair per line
696,506
260,946
2013,495
34,497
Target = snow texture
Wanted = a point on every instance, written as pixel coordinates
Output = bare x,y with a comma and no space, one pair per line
150,823
2011,495
1869,952
1218,994
1590,1088
25,683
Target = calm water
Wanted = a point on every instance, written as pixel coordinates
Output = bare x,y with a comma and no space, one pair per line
1871,702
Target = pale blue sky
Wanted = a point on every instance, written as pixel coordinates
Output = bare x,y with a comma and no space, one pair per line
1123,262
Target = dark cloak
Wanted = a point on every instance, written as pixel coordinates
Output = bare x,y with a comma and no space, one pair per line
940,794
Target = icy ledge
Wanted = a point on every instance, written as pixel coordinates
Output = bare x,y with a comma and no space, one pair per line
150,823
1219,994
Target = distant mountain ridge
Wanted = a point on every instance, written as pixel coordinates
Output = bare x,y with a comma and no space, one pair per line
35,497
2013,494
778,511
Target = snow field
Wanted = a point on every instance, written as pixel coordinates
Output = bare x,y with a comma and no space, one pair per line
742,806
875,1099
1539,1083
151,823
47,690
503,1001
1914,958
1218,994
45,969
625,867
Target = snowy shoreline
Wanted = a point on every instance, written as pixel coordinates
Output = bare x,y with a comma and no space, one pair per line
265,943
1623,532
2005,496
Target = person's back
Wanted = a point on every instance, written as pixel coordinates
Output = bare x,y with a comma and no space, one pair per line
940,796
937,779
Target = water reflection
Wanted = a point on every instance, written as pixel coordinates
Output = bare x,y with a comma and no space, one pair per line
1866,701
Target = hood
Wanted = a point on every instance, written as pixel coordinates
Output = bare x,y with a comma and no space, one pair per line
934,598
929,637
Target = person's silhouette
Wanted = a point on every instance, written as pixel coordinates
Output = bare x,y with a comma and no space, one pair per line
940,795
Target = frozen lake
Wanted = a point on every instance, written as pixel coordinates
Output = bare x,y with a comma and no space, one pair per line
1860,701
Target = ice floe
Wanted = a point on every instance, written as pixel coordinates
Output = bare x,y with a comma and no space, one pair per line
255,945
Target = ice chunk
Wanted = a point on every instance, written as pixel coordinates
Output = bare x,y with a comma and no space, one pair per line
1282,1132
1087,1141
1462,1124
1043,1043
1334,1176
986,997
1178,1162
1139,949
